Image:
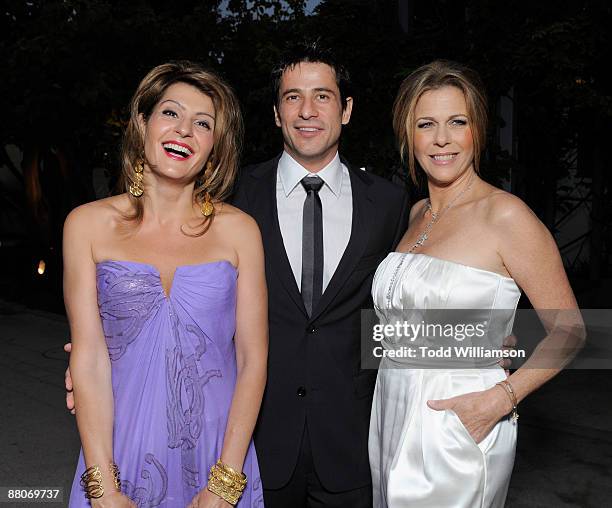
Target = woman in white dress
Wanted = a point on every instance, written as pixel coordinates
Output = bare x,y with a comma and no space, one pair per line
446,437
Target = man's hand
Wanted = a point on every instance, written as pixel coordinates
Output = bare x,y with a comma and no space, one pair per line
68,383
509,342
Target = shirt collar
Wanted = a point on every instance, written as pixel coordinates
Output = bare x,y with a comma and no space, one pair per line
291,173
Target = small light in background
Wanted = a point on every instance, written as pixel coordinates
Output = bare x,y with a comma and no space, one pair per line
41,267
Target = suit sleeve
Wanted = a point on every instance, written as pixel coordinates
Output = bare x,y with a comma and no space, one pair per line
402,222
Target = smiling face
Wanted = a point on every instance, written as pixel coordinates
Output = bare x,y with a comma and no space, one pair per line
310,114
178,135
443,141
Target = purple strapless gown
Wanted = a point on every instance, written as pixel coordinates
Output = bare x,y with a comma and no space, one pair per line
173,374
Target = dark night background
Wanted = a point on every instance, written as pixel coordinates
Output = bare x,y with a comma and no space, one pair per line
69,68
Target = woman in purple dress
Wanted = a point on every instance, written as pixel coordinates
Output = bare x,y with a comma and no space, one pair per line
165,293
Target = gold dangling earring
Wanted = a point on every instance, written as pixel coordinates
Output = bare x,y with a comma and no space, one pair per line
136,189
207,208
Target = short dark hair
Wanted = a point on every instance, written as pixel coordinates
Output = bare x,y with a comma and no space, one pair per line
313,51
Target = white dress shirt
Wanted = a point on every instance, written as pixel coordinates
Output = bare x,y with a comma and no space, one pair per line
337,205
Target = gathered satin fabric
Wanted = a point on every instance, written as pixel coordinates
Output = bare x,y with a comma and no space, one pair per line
420,457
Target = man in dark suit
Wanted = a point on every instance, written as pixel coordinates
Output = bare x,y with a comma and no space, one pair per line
325,226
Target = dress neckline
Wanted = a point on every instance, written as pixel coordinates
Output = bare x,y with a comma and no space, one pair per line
178,268
455,263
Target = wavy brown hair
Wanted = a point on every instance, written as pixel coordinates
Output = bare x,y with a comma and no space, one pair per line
227,134
434,76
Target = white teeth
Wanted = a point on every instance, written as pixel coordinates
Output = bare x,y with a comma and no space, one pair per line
444,157
178,148
308,129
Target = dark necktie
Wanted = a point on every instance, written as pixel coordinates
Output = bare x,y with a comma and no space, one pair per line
312,244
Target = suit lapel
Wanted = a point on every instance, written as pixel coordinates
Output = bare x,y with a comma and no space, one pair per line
363,211
263,202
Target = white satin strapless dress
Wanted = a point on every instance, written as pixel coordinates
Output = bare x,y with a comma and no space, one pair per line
425,458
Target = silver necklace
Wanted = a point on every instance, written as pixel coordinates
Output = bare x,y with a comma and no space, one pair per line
435,216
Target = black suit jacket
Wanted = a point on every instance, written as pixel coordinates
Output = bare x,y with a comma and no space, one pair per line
314,369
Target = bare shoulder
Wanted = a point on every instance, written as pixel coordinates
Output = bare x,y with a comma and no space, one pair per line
505,210
514,229
95,215
86,225
242,233
237,223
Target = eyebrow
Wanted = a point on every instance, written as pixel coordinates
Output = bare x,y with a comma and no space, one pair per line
183,108
434,120
325,90
301,90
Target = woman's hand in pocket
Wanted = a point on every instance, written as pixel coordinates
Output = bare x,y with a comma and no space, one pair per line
477,411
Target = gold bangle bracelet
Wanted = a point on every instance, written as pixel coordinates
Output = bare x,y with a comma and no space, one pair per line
226,482
230,470
91,481
228,475
225,492
512,397
114,468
